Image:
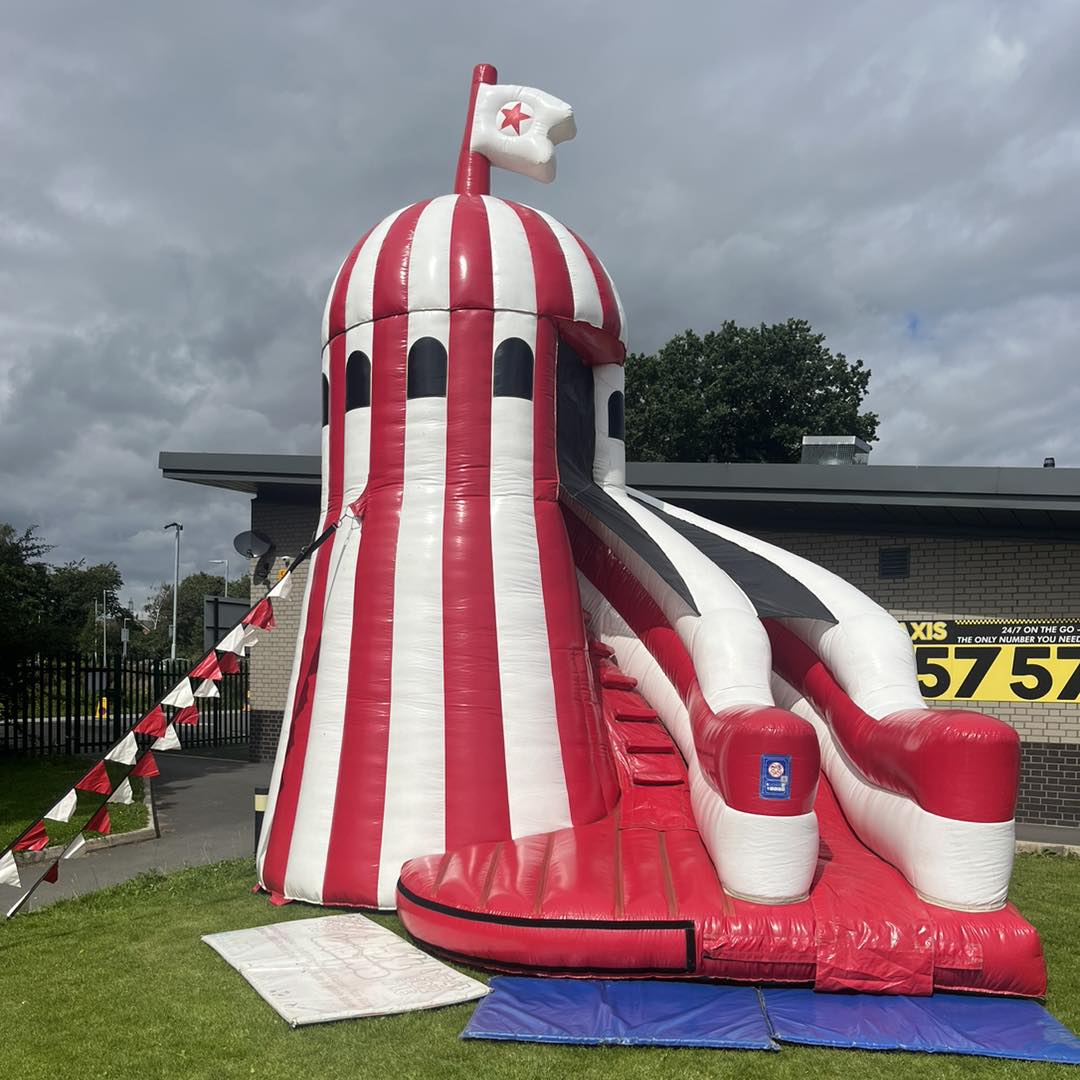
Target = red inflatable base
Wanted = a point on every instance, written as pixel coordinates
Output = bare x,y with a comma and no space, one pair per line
636,894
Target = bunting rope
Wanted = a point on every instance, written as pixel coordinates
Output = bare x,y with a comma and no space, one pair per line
210,668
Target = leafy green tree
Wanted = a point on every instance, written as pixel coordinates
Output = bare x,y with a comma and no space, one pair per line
24,591
742,393
52,609
76,593
151,637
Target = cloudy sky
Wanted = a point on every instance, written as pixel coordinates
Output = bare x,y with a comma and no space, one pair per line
179,182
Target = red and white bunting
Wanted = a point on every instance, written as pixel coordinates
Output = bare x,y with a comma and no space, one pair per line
147,766
282,589
153,723
52,875
99,823
180,696
234,641
230,663
96,780
207,689
169,741
190,715
63,810
35,840
124,752
261,615
9,870
207,668
74,847
123,794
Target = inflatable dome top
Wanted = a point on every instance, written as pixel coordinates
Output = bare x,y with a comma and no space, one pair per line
476,251
472,250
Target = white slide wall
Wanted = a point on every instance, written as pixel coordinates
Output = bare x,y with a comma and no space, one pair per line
764,858
955,863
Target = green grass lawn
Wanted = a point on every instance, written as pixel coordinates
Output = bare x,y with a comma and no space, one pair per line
29,786
119,985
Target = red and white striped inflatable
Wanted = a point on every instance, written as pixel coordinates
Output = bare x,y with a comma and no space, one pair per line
561,725
441,690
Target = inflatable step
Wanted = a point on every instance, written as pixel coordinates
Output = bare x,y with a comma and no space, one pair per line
611,678
643,738
656,769
624,707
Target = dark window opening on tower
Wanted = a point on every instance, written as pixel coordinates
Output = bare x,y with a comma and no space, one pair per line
513,369
616,415
357,381
427,369
325,401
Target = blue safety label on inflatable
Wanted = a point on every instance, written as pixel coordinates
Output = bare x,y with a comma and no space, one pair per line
776,776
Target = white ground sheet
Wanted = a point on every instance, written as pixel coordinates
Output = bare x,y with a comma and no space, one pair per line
339,967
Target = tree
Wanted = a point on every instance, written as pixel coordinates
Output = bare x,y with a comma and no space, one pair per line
51,609
24,591
47,608
77,593
151,637
742,393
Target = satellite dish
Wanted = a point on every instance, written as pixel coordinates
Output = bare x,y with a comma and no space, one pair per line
251,545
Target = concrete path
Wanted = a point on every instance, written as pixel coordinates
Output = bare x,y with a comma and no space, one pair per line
205,813
1064,836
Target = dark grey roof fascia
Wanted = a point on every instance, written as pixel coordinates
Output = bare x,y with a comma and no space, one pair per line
241,472
956,487
867,483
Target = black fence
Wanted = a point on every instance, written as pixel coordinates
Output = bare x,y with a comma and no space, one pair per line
73,704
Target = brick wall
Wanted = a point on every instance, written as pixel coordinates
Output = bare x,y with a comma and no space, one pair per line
288,526
1049,784
264,727
963,578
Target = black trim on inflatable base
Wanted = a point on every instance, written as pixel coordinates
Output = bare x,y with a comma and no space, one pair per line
687,926
542,969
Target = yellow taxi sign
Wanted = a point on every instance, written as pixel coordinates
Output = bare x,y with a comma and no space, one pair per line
1003,660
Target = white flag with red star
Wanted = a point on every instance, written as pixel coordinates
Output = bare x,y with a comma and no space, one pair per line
517,127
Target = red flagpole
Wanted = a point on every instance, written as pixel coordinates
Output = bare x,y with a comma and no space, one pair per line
473,175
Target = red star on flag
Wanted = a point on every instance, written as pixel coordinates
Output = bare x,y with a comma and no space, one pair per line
513,117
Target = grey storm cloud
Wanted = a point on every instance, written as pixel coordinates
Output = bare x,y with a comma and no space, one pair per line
179,183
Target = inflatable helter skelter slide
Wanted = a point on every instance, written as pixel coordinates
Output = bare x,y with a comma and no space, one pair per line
564,727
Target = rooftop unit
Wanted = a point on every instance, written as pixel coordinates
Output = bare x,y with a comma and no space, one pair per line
834,450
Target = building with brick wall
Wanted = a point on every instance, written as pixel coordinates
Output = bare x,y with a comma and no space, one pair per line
933,545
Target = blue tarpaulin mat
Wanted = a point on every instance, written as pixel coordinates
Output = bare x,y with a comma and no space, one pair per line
627,1012
940,1024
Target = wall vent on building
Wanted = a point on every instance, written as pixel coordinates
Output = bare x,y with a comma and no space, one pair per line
894,562
834,450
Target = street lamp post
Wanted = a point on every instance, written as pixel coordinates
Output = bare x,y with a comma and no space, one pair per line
176,582
224,563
